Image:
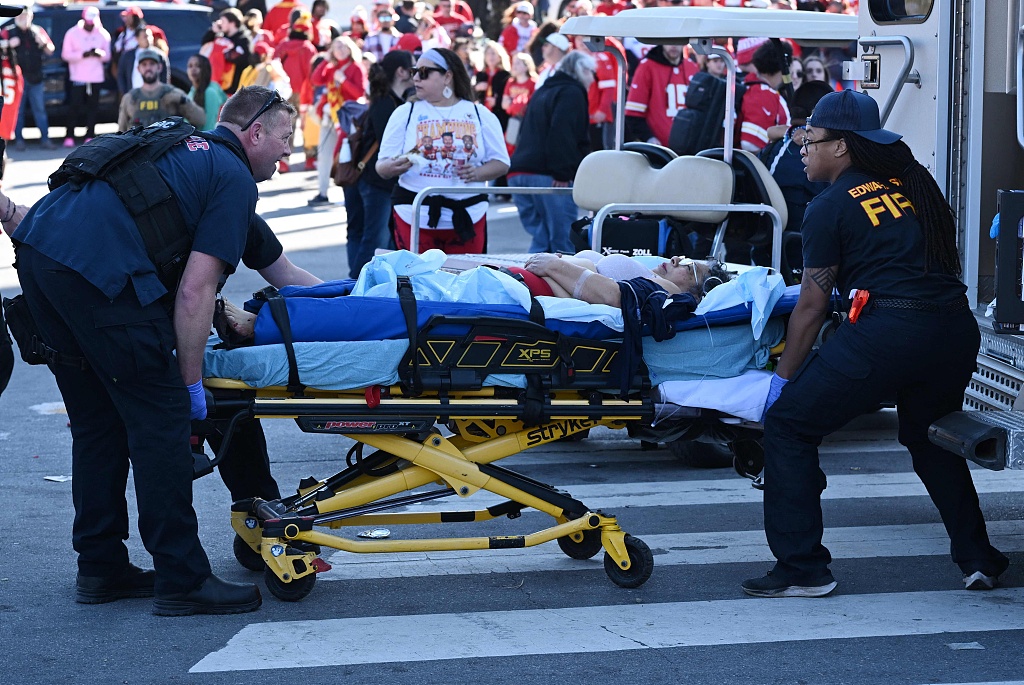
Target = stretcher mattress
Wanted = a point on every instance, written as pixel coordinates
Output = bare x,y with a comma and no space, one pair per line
706,347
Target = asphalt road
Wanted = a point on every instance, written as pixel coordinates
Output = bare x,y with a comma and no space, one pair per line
516,616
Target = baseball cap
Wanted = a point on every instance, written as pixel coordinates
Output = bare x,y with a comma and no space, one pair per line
409,42
746,47
132,10
149,53
11,10
263,48
849,110
559,41
90,14
524,7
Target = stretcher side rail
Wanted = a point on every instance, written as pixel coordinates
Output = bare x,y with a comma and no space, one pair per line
459,353
417,203
604,212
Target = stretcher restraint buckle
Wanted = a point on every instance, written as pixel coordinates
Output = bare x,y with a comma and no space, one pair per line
950,307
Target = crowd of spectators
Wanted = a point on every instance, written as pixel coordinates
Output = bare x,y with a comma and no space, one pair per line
507,49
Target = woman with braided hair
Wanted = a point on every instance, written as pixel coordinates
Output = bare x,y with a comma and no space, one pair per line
884,236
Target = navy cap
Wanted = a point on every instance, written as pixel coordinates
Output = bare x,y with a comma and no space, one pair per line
849,110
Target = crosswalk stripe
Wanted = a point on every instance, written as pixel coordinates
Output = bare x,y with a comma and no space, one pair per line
732,490
729,547
432,637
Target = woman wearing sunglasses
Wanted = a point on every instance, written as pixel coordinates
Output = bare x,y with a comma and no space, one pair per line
442,139
595,279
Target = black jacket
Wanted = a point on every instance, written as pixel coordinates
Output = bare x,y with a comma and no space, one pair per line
553,139
377,117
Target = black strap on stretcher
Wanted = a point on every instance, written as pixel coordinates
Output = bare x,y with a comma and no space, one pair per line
279,311
407,300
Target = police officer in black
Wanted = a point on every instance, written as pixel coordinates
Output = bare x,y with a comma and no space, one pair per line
96,297
884,229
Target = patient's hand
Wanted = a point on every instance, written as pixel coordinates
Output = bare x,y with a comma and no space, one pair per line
543,263
240,320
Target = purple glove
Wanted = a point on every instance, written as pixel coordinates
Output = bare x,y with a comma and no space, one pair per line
774,390
197,398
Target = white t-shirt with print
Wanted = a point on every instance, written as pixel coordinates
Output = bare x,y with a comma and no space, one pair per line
448,138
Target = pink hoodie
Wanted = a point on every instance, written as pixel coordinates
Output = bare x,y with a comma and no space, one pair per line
78,41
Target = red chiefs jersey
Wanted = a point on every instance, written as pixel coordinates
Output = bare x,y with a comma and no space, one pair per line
658,92
602,90
763,108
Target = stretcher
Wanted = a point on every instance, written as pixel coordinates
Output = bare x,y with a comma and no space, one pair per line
472,389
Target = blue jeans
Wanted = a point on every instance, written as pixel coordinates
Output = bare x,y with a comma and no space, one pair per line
369,209
545,217
33,96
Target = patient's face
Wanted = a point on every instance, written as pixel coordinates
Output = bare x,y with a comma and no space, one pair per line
685,273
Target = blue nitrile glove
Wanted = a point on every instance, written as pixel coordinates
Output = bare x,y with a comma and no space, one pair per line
197,398
774,390
993,230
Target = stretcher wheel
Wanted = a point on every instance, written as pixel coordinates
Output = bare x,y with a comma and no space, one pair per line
641,564
288,592
246,556
585,549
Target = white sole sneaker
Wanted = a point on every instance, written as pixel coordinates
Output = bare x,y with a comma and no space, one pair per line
794,591
979,581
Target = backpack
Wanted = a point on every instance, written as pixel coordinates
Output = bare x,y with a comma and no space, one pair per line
698,126
125,160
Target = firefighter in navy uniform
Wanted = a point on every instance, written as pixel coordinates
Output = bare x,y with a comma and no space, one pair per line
95,296
882,229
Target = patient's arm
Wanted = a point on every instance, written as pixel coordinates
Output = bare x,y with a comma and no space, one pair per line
574,280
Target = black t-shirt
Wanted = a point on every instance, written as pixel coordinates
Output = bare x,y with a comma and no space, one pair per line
29,54
262,248
869,228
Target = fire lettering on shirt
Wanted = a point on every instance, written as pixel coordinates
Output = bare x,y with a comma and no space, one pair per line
895,204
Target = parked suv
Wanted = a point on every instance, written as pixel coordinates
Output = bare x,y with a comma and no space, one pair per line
183,24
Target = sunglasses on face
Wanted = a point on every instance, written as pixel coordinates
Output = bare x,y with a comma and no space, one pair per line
798,74
274,98
423,73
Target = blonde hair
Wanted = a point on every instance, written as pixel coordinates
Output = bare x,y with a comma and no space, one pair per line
355,54
499,50
527,60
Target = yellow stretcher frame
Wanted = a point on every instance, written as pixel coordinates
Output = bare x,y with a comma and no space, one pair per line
283,536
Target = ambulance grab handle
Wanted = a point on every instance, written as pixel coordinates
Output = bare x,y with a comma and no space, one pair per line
905,76
1020,86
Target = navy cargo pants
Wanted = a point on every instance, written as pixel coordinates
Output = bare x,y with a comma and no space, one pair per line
924,360
129,406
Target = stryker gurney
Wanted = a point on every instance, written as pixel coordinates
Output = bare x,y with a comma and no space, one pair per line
499,382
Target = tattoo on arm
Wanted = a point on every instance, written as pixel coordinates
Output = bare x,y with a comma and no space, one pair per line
824,278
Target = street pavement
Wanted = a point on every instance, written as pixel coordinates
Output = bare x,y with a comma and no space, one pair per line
533,615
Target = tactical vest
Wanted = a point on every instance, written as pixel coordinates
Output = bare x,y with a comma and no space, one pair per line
148,109
126,161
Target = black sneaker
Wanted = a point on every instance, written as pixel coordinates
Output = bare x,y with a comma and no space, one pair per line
133,583
214,596
319,200
775,586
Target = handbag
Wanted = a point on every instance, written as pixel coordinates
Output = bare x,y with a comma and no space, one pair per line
347,173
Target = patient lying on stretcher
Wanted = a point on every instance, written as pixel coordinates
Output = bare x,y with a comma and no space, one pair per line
594,278
587,276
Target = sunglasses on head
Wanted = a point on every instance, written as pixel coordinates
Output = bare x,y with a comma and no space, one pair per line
274,98
424,72
710,282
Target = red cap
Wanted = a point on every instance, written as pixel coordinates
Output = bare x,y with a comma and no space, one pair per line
263,48
132,10
410,42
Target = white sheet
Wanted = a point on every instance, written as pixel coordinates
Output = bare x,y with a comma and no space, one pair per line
743,396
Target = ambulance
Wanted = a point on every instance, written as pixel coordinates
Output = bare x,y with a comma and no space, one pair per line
947,75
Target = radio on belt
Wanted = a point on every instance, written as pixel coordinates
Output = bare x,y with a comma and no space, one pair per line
858,298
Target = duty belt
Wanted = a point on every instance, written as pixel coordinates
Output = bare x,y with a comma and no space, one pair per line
922,305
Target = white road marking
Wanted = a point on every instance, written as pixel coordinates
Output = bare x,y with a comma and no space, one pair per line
732,490
432,637
49,408
729,547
